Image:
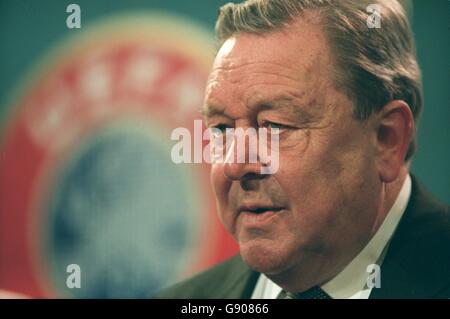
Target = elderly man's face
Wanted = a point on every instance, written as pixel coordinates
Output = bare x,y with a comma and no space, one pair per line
318,210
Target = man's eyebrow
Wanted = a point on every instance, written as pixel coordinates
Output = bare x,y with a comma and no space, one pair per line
286,102
274,103
210,110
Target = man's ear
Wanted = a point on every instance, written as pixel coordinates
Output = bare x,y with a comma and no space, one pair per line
395,129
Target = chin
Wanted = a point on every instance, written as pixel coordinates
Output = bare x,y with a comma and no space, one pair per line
262,258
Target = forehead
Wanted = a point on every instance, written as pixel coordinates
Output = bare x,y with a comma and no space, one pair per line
301,42
248,67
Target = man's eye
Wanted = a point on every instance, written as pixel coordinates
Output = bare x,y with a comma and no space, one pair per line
276,125
272,125
220,127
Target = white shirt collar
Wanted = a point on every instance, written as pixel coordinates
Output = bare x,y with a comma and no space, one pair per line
351,281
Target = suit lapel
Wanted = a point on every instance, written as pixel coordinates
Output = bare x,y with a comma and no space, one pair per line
417,261
239,282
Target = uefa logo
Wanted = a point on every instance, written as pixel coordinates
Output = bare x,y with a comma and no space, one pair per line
93,174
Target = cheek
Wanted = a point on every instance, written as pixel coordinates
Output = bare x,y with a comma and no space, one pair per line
326,184
220,185
310,179
294,174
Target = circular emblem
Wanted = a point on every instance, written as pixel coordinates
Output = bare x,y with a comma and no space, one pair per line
86,172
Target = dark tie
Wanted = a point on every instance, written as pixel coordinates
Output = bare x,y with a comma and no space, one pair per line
313,293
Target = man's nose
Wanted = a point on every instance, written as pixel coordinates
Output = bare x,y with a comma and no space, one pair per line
240,171
242,159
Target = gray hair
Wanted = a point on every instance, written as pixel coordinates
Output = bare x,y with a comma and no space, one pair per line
373,65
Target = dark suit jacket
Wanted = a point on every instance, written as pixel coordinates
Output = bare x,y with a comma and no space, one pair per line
417,263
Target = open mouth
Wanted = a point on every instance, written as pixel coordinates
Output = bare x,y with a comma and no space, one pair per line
262,210
258,216
259,209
